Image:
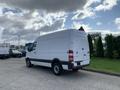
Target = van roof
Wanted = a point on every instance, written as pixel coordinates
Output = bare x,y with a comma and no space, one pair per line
57,31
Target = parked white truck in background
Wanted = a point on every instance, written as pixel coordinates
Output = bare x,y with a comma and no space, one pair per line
62,50
4,50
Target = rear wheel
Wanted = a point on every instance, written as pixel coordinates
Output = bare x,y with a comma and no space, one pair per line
28,63
57,68
75,70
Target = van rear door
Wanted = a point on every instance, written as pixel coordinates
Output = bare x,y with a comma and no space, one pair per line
80,46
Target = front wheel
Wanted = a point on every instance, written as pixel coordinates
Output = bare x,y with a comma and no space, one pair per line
57,68
28,63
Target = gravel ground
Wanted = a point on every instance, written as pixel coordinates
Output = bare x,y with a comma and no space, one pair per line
14,75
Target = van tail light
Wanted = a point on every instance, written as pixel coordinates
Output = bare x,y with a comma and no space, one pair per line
70,55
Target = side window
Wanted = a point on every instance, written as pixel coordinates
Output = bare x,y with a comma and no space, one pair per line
32,46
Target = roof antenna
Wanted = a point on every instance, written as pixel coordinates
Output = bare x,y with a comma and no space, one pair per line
81,29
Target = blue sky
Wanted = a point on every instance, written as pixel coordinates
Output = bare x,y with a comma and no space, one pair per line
29,18
105,18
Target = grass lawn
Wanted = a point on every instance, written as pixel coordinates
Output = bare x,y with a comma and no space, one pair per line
104,64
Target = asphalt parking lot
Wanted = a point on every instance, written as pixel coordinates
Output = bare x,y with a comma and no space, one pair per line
14,75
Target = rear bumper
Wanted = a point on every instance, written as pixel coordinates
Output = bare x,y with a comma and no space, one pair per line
72,66
75,65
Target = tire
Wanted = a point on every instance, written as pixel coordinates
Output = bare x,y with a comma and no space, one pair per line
28,63
57,68
75,70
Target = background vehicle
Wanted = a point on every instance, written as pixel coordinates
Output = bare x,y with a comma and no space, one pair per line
15,53
67,49
4,50
23,52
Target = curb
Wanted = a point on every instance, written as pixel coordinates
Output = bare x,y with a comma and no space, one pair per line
102,72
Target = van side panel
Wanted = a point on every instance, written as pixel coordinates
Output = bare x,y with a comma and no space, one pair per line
53,46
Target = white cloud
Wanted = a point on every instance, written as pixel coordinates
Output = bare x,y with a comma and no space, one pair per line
1,30
30,17
49,5
117,22
82,14
98,23
91,6
101,31
30,24
43,18
87,10
106,5
90,2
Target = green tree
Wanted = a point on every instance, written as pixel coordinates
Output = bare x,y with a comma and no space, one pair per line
99,47
109,46
90,44
118,45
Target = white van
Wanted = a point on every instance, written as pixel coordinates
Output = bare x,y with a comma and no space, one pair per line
62,50
4,50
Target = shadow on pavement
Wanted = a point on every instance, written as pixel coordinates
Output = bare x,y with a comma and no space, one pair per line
66,74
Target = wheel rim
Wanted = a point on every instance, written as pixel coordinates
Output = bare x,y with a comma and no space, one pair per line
56,69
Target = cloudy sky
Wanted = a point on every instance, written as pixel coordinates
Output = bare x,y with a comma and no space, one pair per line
28,19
